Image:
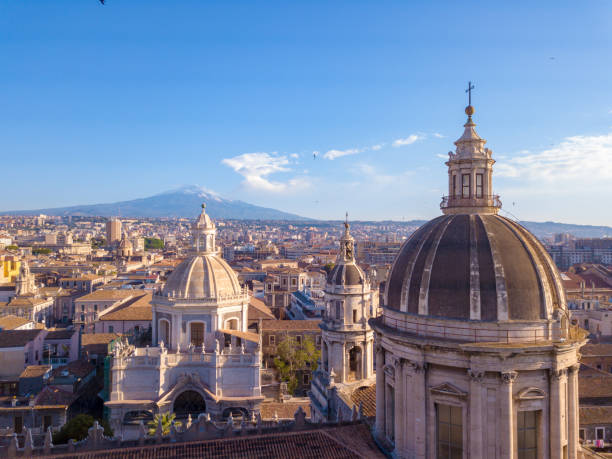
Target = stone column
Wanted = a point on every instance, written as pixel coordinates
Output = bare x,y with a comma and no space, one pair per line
572,395
475,432
556,417
343,372
400,394
380,392
420,410
506,439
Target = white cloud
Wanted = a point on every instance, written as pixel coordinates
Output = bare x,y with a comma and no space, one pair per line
578,157
333,154
294,155
377,146
407,141
438,135
256,167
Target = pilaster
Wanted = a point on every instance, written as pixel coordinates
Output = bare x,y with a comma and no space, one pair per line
556,416
507,415
380,392
475,433
572,393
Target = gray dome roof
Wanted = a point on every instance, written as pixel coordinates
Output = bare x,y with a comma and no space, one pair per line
480,267
346,274
202,276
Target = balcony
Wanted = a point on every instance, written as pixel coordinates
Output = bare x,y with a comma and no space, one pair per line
492,200
55,361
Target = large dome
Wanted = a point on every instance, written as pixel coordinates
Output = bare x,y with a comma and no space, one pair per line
346,274
479,266
202,276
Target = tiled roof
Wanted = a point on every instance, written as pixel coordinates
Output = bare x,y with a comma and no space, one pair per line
54,396
84,277
283,410
88,339
343,442
78,368
17,338
259,310
593,383
106,295
60,333
367,397
135,309
593,349
281,325
27,301
34,371
595,415
11,322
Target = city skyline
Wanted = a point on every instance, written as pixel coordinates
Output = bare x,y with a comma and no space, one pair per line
117,102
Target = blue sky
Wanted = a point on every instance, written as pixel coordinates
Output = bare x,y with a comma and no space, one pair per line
106,103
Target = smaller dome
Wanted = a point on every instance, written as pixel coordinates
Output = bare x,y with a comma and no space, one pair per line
202,276
346,274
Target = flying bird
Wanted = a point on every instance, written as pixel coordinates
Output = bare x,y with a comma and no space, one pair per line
314,154
102,1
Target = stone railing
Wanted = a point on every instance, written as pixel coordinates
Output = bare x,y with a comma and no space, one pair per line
202,429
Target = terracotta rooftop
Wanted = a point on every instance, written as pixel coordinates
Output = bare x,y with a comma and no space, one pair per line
366,396
283,410
279,325
54,396
597,349
342,442
26,301
88,339
259,310
138,308
34,371
11,322
78,368
60,333
593,384
17,338
595,415
84,277
107,295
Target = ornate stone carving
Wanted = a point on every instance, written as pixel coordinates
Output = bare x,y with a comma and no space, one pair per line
475,374
556,373
508,377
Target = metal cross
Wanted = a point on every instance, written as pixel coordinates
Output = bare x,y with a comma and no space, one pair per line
469,91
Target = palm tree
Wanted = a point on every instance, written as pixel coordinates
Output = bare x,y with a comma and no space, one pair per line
166,422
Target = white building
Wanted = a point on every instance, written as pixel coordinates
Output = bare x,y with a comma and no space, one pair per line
347,338
204,360
475,354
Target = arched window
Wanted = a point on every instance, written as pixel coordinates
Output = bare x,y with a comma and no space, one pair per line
196,333
163,333
355,363
231,324
189,402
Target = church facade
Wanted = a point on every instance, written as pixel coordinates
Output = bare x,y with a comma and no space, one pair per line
203,359
476,356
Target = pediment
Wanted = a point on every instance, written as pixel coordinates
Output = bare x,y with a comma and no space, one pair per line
449,390
531,393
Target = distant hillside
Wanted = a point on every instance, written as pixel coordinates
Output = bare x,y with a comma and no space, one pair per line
545,229
182,202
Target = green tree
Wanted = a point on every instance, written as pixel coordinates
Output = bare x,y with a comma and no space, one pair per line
77,428
11,247
166,420
152,243
292,357
328,267
41,251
